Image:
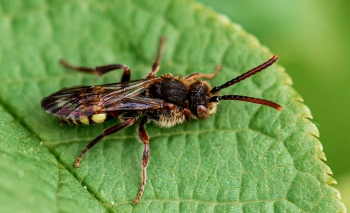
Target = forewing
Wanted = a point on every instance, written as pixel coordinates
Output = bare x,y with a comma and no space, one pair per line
74,102
138,103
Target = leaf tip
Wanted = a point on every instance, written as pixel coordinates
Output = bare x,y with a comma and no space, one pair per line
331,181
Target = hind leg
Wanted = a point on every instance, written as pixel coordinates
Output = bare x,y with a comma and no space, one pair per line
100,70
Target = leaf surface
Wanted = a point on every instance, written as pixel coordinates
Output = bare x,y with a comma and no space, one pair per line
244,158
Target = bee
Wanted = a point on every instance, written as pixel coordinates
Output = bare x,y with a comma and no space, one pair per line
166,100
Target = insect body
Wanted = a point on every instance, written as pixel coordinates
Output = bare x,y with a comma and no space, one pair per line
166,100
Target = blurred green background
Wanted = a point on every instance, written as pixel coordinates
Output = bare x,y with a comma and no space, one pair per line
312,39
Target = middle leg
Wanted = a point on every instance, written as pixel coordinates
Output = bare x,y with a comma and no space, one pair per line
145,157
156,66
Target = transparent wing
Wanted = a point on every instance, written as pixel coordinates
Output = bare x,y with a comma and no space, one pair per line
87,100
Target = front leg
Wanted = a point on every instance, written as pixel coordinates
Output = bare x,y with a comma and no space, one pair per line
145,157
187,114
194,76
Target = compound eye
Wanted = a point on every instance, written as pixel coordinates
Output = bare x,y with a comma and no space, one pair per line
202,112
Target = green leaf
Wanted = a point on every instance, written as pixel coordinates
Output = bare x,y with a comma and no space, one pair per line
244,158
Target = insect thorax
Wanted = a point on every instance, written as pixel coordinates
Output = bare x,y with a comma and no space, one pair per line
170,89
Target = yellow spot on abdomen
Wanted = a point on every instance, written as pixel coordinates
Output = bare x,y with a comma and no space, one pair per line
99,118
84,120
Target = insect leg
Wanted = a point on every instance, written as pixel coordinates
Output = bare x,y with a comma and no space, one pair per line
194,76
187,114
106,132
100,70
156,66
145,157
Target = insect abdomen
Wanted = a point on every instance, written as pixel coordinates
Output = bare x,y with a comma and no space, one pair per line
88,120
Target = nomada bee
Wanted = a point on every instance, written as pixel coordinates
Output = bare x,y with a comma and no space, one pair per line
166,100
